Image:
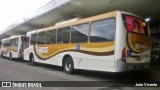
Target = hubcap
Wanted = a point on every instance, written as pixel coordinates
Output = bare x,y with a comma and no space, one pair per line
68,66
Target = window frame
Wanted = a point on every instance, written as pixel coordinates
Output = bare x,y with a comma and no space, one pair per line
88,34
69,35
31,41
102,20
55,36
43,32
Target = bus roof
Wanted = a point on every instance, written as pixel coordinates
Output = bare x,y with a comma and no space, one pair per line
14,36
11,37
81,21
76,22
31,32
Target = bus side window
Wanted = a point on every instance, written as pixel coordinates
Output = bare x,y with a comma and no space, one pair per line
16,41
8,44
12,42
103,30
41,38
51,37
80,33
33,39
63,35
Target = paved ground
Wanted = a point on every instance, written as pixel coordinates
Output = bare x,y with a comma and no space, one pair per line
24,71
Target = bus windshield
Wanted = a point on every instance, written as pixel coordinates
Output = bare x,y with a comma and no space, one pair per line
135,25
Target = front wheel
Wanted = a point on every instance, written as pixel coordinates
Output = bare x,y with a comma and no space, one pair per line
68,65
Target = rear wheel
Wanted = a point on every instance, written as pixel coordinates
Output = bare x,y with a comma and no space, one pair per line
68,65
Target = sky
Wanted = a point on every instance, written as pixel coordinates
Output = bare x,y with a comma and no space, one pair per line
13,10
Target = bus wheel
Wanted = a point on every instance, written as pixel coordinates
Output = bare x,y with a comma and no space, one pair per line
32,60
68,65
10,57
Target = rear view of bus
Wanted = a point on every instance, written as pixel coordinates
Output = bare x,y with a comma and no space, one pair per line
133,43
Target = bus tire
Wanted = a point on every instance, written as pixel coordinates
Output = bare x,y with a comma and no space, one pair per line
10,56
68,65
32,59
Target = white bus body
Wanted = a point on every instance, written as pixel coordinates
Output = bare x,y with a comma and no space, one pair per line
115,47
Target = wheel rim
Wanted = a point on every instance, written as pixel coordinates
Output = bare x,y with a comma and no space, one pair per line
68,66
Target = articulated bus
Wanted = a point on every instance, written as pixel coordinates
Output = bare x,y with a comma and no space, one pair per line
114,42
13,46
